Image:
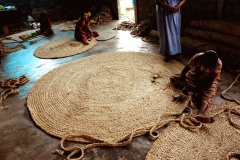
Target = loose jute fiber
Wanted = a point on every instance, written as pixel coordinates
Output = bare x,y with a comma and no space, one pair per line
106,99
64,47
186,140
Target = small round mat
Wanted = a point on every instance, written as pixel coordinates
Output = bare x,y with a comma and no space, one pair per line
63,48
106,96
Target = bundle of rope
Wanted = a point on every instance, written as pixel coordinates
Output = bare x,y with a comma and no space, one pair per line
104,15
11,86
126,25
5,49
143,28
227,98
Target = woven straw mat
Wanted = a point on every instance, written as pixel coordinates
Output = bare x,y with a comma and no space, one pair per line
218,140
68,28
105,96
63,48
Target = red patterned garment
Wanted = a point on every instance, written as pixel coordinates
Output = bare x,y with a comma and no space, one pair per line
198,74
203,81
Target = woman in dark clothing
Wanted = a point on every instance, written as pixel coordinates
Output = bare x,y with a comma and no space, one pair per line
45,27
82,29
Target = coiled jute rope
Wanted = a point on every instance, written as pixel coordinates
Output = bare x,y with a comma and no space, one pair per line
227,98
12,88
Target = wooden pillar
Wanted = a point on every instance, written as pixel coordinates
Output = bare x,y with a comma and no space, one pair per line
219,9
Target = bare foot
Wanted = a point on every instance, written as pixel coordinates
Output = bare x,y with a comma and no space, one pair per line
22,38
85,41
204,119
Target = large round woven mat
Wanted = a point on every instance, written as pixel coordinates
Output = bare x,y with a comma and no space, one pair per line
218,140
63,48
110,96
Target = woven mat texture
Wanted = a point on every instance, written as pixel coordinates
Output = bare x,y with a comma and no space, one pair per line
217,140
110,96
64,47
68,28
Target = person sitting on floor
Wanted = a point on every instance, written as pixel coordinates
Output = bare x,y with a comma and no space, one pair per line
82,29
45,27
202,77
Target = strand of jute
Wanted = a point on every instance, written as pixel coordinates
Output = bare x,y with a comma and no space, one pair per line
11,85
227,98
14,82
232,155
96,143
189,122
229,113
5,49
126,140
8,92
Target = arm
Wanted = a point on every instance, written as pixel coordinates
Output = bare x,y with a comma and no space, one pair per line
183,75
80,28
30,21
50,26
184,71
88,26
171,8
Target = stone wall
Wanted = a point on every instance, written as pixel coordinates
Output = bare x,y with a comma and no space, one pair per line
145,9
196,10
192,10
26,6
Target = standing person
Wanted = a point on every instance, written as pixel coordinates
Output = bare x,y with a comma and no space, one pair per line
169,26
45,27
82,29
202,76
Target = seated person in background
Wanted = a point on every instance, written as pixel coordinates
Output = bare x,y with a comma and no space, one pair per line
45,27
202,77
82,29
34,24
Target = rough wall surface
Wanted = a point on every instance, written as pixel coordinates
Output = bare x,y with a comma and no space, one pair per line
26,6
196,10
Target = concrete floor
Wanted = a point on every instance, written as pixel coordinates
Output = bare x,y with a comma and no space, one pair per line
21,139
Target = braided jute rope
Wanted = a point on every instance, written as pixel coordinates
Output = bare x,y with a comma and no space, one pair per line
11,85
217,140
227,98
105,99
8,49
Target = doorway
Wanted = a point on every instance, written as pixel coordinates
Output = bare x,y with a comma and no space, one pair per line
127,10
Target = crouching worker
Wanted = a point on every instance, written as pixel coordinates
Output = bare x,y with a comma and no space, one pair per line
82,29
202,77
45,27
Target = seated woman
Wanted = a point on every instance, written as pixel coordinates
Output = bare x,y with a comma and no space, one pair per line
202,77
45,27
82,29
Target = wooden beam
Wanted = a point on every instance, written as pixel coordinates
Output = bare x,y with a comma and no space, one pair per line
219,9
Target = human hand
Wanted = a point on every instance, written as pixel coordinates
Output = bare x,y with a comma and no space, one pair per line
174,9
185,90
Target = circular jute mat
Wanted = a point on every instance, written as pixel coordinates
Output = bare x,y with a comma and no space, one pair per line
217,140
107,97
64,47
